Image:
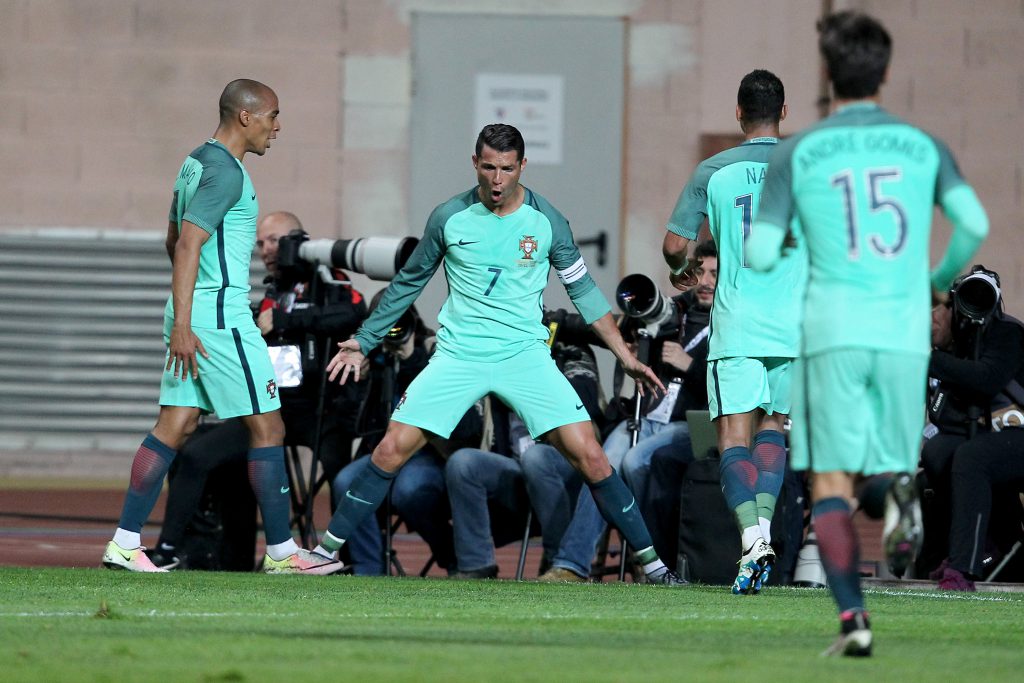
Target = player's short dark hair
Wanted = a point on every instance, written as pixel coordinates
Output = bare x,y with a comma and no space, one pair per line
856,49
760,97
704,249
501,137
242,93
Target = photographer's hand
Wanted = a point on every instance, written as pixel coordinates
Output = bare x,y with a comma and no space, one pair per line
265,321
673,354
181,352
348,360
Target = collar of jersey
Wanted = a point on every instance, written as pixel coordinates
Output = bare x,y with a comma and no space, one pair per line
767,139
858,106
218,143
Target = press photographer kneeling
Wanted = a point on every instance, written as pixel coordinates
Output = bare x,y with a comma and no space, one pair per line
974,462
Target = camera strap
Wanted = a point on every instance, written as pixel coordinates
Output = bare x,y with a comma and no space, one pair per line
697,339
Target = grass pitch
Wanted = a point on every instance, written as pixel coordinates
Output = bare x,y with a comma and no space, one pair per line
83,624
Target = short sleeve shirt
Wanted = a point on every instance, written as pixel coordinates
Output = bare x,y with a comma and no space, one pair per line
214,192
863,184
754,314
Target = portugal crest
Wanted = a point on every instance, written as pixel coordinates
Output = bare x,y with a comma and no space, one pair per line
528,245
271,388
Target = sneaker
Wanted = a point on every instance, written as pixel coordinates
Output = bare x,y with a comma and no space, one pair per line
902,534
954,580
136,560
488,572
561,575
668,578
752,564
164,558
762,578
854,637
302,562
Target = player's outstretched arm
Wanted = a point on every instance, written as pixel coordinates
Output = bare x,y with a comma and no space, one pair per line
608,331
348,361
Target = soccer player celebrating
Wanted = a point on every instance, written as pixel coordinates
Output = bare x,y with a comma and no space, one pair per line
498,241
863,183
217,360
754,322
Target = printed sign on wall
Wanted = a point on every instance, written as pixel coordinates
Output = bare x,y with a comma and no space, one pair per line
533,104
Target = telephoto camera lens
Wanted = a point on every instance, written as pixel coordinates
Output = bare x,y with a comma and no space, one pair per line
976,296
379,258
640,298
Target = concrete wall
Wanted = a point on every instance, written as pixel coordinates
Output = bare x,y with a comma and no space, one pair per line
102,98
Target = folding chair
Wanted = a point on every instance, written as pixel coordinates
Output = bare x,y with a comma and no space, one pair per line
392,523
521,566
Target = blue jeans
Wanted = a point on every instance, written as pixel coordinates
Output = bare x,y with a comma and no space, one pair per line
488,502
634,463
576,551
490,495
418,495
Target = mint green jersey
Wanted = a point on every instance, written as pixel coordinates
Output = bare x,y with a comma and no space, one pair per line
214,192
496,268
755,315
863,184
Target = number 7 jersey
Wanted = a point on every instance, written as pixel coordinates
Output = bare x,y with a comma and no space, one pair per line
863,184
755,315
496,268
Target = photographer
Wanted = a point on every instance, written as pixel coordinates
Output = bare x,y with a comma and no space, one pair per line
680,361
977,367
300,310
299,313
682,367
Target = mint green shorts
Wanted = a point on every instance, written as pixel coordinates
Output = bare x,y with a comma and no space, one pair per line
237,379
858,411
529,383
739,385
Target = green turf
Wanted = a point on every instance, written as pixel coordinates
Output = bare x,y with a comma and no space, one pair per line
83,624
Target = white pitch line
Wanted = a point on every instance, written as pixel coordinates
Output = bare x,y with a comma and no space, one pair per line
940,595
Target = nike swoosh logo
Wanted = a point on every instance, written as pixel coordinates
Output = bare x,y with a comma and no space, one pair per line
348,494
285,489
629,507
254,197
127,556
463,243
579,406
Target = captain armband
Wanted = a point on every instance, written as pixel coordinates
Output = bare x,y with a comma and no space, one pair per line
572,273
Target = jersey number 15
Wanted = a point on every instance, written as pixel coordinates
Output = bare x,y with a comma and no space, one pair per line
878,201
